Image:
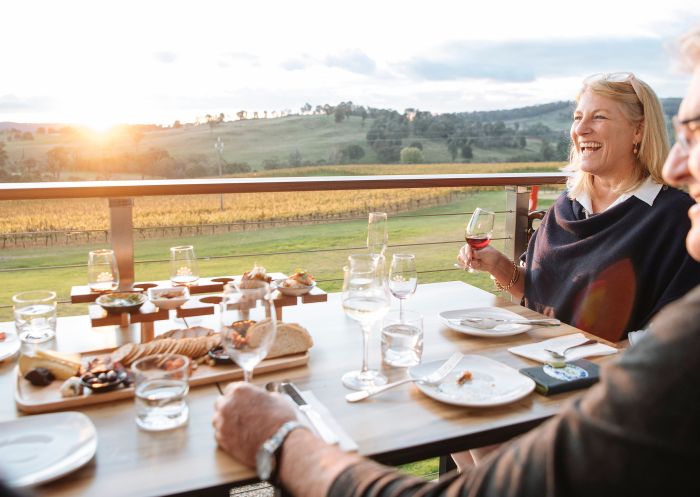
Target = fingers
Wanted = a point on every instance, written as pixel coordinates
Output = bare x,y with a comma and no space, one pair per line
465,256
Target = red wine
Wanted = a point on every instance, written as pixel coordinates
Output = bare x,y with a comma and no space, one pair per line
477,242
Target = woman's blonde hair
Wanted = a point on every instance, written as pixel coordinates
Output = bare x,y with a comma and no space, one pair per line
640,105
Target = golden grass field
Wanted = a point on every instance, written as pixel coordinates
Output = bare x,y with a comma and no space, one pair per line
92,214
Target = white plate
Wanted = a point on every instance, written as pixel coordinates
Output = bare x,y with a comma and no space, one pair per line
40,448
492,383
9,346
451,320
292,291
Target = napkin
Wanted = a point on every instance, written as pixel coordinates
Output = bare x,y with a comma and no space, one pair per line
536,352
344,441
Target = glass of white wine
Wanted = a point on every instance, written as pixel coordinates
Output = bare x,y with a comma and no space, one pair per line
403,278
365,299
377,233
248,325
184,269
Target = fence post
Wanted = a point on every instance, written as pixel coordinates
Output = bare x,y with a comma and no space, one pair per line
121,230
517,200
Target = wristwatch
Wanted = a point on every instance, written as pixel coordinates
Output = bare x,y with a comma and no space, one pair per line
266,457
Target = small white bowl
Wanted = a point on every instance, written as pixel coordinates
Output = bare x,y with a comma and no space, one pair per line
291,291
168,298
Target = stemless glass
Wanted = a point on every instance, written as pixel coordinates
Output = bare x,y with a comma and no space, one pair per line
103,274
479,230
35,317
248,325
403,278
377,234
184,269
365,299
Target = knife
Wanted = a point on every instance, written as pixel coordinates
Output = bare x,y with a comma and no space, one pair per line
322,428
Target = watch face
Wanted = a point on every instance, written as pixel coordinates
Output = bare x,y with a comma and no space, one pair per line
265,462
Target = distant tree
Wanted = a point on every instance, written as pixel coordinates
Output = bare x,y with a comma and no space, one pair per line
339,114
4,158
177,124
563,145
242,114
57,160
214,121
237,167
547,152
352,153
467,152
29,169
412,155
417,145
319,109
41,130
273,163
306,108
522,142
27,135
295,158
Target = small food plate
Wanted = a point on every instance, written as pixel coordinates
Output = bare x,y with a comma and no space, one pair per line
9,346
491,383
452,319
38,449
118,302
168,298
292,291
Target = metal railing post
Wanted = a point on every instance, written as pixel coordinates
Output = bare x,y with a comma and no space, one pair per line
517,204
121,229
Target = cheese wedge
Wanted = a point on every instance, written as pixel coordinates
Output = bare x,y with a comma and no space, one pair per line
63,366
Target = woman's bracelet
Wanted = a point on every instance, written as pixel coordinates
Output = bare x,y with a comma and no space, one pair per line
513,279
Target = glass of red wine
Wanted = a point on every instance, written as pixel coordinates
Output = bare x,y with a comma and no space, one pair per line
479,230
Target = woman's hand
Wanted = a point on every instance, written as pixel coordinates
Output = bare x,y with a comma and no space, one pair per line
485,259
245,417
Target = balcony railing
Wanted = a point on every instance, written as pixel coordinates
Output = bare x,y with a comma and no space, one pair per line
121,194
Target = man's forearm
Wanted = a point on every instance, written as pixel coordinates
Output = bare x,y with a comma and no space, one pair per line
308,465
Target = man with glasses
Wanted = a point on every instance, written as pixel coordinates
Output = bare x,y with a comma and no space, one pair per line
636,433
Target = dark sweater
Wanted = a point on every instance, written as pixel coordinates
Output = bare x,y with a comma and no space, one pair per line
636,433
610,273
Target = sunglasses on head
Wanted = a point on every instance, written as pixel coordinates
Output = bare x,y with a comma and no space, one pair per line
611,77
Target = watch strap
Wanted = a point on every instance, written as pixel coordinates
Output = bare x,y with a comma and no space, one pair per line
273,444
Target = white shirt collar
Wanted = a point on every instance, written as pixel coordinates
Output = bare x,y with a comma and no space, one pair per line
646,192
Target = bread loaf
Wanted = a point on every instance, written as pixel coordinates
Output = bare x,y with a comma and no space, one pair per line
291,339
62,366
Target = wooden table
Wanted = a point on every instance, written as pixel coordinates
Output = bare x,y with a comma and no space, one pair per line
399,426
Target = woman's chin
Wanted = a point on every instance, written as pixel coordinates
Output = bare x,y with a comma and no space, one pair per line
692,242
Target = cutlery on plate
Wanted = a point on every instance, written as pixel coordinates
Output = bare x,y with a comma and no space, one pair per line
324,431
562,355
434,377
489,323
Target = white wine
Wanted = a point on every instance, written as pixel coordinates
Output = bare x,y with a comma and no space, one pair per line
366,309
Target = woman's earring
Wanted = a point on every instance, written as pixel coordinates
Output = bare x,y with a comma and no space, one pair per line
635,149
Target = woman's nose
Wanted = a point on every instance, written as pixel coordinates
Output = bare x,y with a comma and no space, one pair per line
581,127
675,171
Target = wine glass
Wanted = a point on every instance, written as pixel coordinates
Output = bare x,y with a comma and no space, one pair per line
403,278
184,269
366,299
377,234
103,274
479,230
248,324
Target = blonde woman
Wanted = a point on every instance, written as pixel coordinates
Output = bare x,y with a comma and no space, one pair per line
609,253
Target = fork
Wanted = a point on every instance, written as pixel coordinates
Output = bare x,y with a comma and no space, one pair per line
490,323
562,355
434,377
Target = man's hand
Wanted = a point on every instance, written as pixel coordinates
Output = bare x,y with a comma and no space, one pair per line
245,417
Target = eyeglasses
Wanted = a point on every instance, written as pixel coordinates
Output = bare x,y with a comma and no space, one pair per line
611,77
687,132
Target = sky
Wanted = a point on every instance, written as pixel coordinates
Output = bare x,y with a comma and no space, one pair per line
103,62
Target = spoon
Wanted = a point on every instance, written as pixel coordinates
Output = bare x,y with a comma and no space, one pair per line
490,323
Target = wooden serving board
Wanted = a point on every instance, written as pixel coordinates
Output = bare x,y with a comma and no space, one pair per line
33,400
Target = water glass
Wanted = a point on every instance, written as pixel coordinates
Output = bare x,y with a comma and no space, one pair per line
184,269
35,317
162,383
103,274
402,338
403,277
